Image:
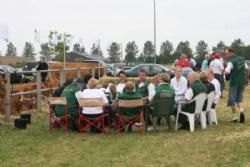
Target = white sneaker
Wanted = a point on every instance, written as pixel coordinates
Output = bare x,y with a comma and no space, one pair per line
150,128
234,118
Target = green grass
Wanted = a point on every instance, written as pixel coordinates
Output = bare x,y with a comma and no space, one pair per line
224,145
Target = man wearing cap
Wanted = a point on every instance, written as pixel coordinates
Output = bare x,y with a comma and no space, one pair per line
236,68
71,92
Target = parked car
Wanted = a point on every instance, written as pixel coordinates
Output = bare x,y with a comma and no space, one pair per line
129,65
14,76
29,66
150,69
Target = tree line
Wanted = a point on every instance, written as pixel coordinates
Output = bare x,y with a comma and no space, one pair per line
167,53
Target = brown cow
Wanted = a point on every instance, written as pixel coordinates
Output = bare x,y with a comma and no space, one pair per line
73,74
24,102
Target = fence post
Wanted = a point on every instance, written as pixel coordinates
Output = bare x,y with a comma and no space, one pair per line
38,91
78,73
93,72
62,77
7,99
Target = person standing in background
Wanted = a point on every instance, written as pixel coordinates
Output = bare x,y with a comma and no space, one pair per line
217,67
204,66
43,65
236,69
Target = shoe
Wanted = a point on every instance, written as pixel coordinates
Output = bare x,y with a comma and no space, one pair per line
149,129
242,117
234,120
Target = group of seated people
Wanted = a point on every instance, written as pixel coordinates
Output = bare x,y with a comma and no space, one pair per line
183,89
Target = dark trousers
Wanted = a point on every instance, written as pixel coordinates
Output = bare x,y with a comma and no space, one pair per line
220,78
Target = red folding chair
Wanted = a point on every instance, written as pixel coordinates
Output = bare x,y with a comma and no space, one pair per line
62,121
130,121
86,122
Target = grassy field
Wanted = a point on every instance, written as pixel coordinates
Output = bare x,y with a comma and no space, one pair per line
227,144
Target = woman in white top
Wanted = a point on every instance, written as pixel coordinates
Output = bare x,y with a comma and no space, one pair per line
93,92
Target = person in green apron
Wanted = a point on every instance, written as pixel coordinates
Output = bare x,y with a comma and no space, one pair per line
196,87
236,68
129,94
142,85
162,87
71,92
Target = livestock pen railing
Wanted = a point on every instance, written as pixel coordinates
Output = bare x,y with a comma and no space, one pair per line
38,91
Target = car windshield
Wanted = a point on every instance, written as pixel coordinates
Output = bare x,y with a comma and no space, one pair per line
141,67
31,65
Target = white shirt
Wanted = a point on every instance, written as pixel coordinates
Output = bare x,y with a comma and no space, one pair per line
216,66
120,87
93,93
216,84
180,86
189,94
151,91
230,66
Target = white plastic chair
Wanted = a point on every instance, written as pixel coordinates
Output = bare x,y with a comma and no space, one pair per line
199,102
210,99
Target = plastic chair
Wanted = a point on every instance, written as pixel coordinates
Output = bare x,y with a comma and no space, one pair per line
62,121
210,99
86,122
130,120
199,102
162,107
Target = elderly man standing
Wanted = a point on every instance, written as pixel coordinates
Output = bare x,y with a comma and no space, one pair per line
179,83
196,87
236,69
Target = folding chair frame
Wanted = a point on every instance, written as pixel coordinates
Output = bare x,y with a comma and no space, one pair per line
83,119
58,120
129,121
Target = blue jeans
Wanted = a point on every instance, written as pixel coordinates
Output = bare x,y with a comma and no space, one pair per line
235,95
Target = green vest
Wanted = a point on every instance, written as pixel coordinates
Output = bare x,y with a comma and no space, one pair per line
197,88
130,112
237,77
69,93
142,90
164,87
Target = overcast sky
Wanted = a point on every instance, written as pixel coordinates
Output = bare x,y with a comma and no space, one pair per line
126,20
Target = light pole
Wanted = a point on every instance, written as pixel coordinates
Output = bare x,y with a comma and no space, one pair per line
154,32
64,51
